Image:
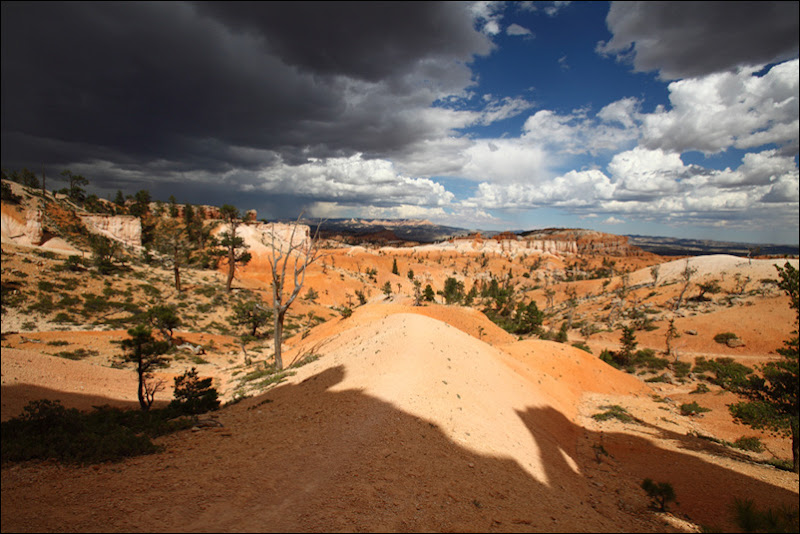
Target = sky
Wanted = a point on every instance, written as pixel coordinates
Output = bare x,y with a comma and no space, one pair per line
671,119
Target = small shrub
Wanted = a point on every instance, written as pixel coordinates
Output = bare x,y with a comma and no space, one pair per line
749,444
728,373
194,395
62,318
701,388
43,305
780,463
724,337
751,519
46,429
582,346
306,359
74,263
693,408
614,412
681,369
77,354
45,286
660,493
660,378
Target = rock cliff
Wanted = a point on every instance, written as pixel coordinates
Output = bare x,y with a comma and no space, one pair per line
557,242
124,228
34,229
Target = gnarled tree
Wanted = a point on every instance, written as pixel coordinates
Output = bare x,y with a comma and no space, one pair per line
300,251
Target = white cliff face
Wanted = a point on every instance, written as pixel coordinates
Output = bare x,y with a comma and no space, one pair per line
124,228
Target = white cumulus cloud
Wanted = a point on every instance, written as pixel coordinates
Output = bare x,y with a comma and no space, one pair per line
715,112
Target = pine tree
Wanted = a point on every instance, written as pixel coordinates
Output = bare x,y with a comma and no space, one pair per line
234,246
146,352
773,399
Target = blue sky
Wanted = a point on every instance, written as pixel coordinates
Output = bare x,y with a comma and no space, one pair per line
676,119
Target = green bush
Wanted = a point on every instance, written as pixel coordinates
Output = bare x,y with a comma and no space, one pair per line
693,408
728,373
77,354
614,412
46,429
194,395
681,369
660,378
582,346
724,337
749,444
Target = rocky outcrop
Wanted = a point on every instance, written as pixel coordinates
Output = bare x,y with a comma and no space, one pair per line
124,228
607,245
558,242
588,242
34,228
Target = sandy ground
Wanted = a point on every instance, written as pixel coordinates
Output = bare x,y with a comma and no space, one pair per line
404,423
415,419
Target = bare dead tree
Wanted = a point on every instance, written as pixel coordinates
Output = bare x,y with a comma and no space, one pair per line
300,251
654,273
687,274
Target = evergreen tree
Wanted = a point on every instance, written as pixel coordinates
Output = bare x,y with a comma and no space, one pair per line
172,240
251,314
453,291
428,295
194,395
233,245
173,207
773,398
165,319
146,352
75,191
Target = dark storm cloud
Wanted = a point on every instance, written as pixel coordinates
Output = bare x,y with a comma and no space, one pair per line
687,39
215,87
364,40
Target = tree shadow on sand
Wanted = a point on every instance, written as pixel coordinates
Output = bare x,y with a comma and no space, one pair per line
305,458
705,491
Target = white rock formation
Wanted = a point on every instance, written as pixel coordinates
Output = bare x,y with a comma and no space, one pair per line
124,228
